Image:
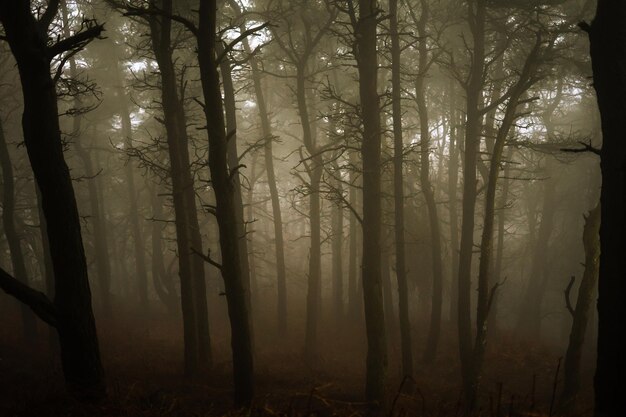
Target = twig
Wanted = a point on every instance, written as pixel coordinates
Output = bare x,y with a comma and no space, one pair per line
568,301
207,258
554,385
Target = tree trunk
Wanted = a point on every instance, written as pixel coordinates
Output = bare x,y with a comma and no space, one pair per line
607,35
398,184
75,323
428,190
367,65
473,128
337,249
225,212
197,343
133,206
233,163
453,179
353,296
581,313
268,137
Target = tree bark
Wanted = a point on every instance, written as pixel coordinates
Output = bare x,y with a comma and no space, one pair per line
473,128
398,184
197,343
607,35
367,65
428,190
225,212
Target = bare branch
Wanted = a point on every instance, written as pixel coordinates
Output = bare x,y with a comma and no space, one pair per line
35,300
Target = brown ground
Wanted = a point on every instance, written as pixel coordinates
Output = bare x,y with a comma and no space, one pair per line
143,357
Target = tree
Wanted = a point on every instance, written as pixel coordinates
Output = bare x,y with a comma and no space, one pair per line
366,56
227,220
70,312
398,186
607,36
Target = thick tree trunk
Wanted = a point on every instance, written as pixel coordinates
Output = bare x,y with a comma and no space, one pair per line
367,65
607,35
75,323
225,211
398,187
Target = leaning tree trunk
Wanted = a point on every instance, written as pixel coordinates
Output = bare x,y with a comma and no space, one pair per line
581,313
367,65
225,211
29,325
71,310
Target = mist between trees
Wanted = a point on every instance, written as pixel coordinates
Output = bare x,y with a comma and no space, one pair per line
312,207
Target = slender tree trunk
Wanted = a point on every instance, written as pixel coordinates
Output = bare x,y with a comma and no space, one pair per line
398,184
581,313
163,284
315,170
133,206
234,164
29,325
529,320
428,190
99,229
503,201
197,343
235,284
453,179
268,137
353,296
473,128
337,249
367,65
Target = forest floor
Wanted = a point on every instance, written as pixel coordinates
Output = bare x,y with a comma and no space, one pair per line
143,361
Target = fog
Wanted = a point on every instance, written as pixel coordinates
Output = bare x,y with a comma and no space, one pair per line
311,207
